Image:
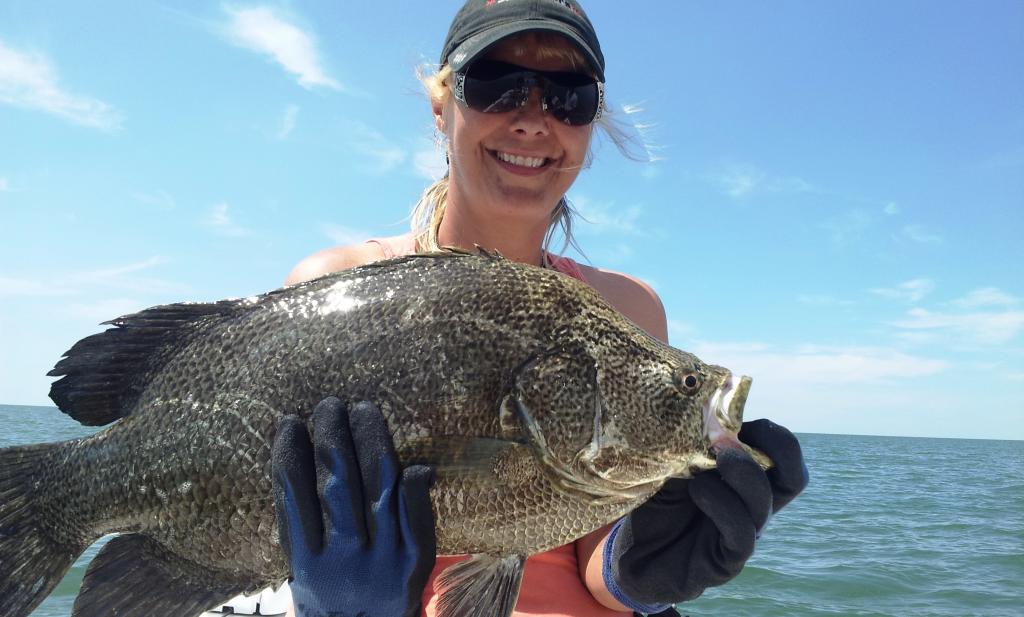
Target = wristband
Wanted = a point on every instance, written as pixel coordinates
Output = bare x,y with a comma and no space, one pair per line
613,587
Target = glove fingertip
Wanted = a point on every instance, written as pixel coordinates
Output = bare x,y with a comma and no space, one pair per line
415,507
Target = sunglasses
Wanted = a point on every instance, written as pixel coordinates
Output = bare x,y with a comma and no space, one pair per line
496,87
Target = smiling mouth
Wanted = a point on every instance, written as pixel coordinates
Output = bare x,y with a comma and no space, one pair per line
529,162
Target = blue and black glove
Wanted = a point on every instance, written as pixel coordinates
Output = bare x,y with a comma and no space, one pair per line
699,533
357,529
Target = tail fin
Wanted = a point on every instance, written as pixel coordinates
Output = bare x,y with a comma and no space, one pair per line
31,561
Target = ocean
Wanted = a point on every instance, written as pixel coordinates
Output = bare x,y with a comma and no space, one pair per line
888,526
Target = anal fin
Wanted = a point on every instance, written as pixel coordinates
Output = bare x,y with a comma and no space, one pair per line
135,576
481,586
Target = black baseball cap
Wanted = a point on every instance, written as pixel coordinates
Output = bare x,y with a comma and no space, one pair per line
479,24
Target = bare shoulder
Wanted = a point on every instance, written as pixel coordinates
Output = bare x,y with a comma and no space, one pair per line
632,297
332,260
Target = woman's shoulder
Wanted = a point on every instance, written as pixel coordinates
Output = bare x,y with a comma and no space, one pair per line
630,296
334,259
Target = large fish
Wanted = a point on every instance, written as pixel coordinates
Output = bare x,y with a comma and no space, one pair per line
545,413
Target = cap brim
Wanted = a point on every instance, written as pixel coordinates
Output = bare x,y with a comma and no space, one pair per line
474,46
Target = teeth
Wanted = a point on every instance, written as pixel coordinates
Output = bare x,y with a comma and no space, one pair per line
522,161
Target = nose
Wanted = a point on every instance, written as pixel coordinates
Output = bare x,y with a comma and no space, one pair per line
531,119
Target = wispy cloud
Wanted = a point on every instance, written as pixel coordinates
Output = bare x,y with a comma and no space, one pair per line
377,154
605,218
263,30
429,163
921,235
980,328
909,291
124,278
345,236
219,221
160,200
823,300
813,364
985,296
4,185
291,115
11,286
892,208
101,310
29,80
680,331
847,227
742,180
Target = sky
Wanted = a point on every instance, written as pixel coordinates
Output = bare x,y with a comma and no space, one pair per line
832,201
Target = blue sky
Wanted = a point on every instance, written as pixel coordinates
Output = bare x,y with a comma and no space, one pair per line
835,208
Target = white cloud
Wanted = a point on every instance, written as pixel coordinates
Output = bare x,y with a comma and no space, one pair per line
847,227
985,296
984,328
742,180
291,114
221,223
811,364
680,330
919,234
102,310
126,278
263,30
822,300
19,286
345,236
892,208
160,200
604,217
79,282
430,164
30,81
4,185
376,154
909,291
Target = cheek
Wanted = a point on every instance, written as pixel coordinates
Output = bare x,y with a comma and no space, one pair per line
577,141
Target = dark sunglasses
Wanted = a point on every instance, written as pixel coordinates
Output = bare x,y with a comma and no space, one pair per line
497,87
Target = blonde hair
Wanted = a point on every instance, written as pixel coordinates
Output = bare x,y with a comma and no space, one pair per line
429,210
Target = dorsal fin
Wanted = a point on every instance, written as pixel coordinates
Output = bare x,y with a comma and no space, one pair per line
103,374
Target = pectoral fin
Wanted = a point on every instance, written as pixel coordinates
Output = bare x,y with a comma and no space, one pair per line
134,576
482,586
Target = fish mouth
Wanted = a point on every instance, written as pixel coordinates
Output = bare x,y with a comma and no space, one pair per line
723,417
723,411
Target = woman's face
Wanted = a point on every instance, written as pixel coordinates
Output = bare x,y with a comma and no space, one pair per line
494,156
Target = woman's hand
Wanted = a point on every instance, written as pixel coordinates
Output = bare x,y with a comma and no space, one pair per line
699,533
357,529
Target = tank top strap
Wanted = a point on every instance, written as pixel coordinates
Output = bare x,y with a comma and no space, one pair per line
395,246
566,266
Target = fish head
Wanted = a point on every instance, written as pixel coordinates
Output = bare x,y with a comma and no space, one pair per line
618,425
669,422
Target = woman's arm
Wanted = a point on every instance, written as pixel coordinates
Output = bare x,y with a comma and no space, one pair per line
332,260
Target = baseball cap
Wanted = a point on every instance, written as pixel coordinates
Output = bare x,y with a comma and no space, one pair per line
479,24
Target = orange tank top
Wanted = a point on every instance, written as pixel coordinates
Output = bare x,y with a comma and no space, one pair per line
552,586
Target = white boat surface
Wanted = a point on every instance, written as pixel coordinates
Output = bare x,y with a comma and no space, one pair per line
268,603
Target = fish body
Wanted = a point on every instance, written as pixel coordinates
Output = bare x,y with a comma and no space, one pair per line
544,412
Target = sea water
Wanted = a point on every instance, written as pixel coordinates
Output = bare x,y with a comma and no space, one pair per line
888,526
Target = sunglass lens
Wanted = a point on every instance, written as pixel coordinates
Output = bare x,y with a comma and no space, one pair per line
496,87
574,105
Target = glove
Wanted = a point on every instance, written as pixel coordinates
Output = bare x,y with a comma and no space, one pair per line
698,533
358,530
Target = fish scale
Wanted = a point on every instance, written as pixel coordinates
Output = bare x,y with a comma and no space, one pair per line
544,412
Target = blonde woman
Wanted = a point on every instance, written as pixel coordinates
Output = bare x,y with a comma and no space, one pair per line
517,99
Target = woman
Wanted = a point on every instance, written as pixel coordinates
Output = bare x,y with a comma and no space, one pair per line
517,98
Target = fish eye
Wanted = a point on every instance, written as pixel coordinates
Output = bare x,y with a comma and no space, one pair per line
687,382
